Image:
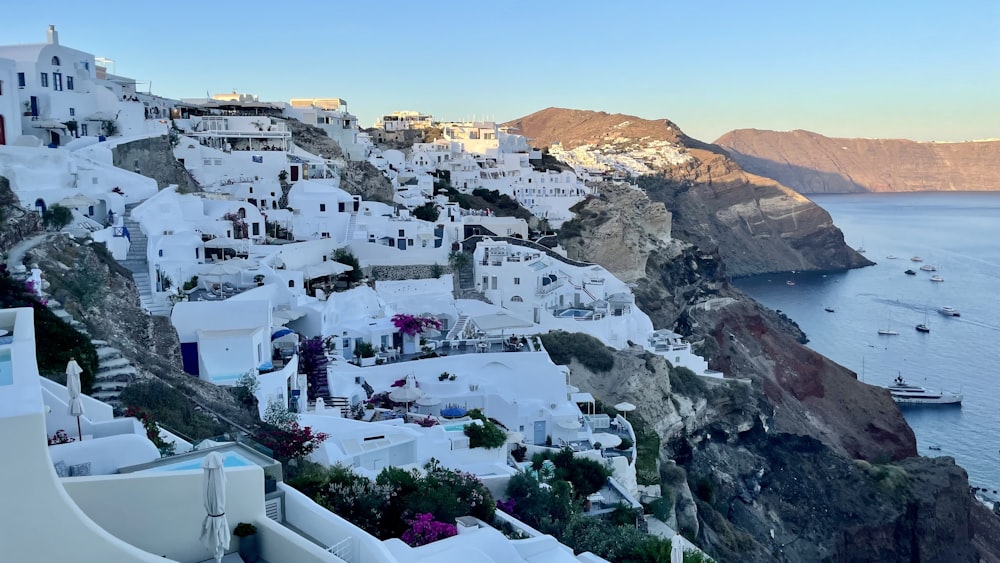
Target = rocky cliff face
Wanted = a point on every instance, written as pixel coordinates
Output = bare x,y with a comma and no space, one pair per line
810,163
790,458
154,158
755,224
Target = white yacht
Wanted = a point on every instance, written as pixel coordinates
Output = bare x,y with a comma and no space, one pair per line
949,311
936,278
928,268
908,394
917,259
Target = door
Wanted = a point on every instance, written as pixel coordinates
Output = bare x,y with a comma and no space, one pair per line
295,173
539,432
34,106
3,132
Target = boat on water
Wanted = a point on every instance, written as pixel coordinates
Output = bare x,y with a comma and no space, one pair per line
949,311
936,279
887,331
929,268
890,257
917,259
789,282
923,328
908,394
828,309
910,273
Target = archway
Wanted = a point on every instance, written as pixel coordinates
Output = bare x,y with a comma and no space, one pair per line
40,205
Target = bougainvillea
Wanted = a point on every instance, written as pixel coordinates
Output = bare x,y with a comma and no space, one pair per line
291,441
412,325
424,529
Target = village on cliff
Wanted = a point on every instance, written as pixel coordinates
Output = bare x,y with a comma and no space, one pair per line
390,327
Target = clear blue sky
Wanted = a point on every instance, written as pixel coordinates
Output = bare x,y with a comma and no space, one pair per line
916,69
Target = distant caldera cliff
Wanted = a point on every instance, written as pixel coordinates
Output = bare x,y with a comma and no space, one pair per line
810,163
756,224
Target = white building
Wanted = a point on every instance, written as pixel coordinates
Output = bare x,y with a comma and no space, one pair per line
64,94
331,115
10,104
321,210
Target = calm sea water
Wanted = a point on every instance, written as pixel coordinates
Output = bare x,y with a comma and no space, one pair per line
959,233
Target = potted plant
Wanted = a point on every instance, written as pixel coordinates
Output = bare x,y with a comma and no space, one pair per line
366,352
248,541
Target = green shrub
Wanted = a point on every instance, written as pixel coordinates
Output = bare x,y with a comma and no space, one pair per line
685,382
486,435
57,217
345,256
592,353
427,212
171,408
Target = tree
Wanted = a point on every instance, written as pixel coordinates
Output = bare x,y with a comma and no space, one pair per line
458,259
57,217
427,212
346,257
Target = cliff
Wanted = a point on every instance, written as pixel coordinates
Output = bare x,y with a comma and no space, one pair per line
790,458
755,224
154,157
810,163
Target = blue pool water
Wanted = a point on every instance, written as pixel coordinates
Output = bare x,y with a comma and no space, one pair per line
576,313
455,427
229,459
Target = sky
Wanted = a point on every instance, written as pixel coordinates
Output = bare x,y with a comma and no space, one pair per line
918,69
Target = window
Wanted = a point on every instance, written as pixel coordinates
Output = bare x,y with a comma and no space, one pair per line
45,80
160,253
322,207
69,82
291,283
256,229
72,112
57,81
517,281
55,61
20,80
83,129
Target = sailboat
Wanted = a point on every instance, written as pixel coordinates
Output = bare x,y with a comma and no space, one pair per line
922,327
861,249
887,331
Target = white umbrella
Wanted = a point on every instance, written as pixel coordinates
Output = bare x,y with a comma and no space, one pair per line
625,407
215,529
408,393
677,549
569,423
73,371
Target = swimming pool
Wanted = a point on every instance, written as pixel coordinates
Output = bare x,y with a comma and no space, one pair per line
229,459
458,427
576,313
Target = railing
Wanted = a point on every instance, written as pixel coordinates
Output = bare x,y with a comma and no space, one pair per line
342,549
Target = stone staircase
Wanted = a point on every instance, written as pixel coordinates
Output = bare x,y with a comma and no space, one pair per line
456,331
135,261
114,373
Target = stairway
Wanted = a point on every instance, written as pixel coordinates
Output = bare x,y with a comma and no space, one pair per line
456,331
114,373
135,261
351,226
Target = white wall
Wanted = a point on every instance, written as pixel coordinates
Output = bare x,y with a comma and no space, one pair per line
162,513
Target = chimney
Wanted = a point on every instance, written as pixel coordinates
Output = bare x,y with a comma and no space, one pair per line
52,37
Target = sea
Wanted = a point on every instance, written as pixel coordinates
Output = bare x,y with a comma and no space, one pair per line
959,234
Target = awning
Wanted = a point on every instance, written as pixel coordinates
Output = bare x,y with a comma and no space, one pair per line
48,124
224,242
77,200
321,269
582,398
499,321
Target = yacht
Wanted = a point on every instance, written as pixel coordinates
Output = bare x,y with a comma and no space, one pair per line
923,328
937,279
908,394
910,273
949,311
890,257
928,268
917,259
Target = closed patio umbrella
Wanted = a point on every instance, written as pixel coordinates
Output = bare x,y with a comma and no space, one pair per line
73,386
215,529
408,393
677,549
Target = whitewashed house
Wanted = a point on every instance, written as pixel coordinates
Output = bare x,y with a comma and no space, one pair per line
11,109
321,210
221,341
